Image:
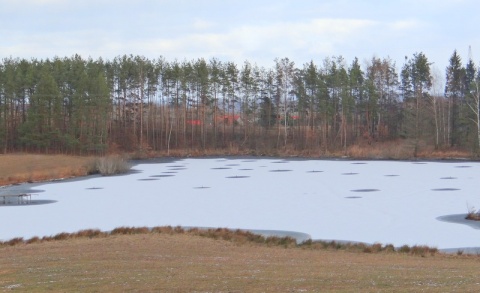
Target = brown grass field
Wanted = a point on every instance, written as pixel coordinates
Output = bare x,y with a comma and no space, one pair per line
188,262
185,262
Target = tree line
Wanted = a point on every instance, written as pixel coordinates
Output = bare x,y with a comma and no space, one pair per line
79,106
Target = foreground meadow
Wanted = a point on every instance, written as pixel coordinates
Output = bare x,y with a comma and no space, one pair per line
180,262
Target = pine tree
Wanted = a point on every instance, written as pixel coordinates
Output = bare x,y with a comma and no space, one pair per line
454,92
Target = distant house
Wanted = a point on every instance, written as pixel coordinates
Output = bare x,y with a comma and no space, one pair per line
229,119
194,122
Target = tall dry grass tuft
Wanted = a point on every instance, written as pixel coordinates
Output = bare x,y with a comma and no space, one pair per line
374,248
401,149
112,165
281,241
14,241
423,250
129,230
89,233
61,236
163,230
32,240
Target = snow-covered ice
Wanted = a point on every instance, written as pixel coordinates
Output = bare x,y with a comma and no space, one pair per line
395,202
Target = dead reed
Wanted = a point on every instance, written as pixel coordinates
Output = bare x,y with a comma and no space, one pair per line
112,165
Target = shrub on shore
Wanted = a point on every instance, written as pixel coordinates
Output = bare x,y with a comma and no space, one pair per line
111,165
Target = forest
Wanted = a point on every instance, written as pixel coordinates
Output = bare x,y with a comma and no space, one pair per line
73,105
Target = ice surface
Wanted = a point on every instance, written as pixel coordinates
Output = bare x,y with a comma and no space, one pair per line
313,197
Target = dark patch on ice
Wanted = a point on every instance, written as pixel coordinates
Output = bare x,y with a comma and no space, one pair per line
129,172
448,178
280,170
221,168
445,189
314,171
352,197
32,202
280,162
176,166
202,187
460,219
170,172
365,190
237,177
232,165
148,179
161,176
245,169
178,169
350,173
463,166
392,175
359,163
94,188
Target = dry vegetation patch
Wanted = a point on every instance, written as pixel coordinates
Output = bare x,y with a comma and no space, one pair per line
18,168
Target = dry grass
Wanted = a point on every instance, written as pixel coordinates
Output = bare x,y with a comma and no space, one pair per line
402,149
172,261
385,150
18,168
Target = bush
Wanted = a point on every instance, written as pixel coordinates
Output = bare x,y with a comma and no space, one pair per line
111,166
389,248
404,249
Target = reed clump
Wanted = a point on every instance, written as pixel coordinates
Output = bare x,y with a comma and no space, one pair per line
111,165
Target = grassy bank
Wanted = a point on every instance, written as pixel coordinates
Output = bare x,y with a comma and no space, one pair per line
19,168
172,260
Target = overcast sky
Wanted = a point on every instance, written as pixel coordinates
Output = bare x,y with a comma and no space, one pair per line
237,30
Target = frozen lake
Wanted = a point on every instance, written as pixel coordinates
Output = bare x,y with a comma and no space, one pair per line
391,202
